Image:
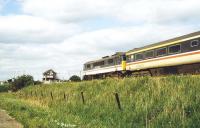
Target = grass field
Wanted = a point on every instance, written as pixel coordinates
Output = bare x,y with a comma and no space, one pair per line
158,102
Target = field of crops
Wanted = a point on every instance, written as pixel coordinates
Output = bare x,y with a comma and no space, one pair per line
168,102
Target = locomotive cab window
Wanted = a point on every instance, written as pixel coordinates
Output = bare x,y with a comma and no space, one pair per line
175,49
149,54
130,58
194,43
161,52
139,56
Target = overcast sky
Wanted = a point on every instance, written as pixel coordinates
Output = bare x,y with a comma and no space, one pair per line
37,35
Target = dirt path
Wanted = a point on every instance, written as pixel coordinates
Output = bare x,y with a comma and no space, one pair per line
8,122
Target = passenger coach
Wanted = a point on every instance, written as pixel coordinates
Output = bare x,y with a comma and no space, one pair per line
175,56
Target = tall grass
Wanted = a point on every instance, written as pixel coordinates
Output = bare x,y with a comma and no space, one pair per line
167,102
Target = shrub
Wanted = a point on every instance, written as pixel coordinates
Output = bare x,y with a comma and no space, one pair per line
37,82
75,78
22,81
4,88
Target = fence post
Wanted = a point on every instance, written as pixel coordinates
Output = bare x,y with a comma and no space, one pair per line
51,95
42,94
31,93
83,99
118,101
64,96
35,94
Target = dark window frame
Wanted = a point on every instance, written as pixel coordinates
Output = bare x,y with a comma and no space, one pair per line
163,54
88,66
99,64
191,45
109,61
135,58
147,52
170,53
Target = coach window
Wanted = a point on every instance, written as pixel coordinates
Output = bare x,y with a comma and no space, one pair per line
139,56
132,58
175,49
194,43
149,54
161,52
110,61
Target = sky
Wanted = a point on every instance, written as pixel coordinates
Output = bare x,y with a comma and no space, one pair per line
37,35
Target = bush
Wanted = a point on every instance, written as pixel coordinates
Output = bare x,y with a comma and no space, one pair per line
4,88
22,81
75,78
37,82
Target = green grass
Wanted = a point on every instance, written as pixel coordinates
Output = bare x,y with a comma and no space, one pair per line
164,102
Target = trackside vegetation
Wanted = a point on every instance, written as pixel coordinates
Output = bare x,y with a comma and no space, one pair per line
146,102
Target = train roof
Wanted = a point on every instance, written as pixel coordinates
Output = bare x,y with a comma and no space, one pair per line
106,57
165,43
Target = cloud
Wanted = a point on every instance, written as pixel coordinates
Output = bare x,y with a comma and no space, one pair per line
30,29
68,56
140,11
52,33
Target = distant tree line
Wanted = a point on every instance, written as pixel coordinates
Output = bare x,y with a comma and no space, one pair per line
26,80
18,83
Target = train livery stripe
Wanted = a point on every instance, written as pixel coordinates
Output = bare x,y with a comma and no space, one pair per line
164,58
163,45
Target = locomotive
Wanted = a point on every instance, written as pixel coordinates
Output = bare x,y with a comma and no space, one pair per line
179,55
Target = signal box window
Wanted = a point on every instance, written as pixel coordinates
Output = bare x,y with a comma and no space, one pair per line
194,43
175,49
161,52
139,56
88,66
149,54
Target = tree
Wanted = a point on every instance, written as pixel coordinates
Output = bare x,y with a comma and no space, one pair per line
21,82
4,87
75,78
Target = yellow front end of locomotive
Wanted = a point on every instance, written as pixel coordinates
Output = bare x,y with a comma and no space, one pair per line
123,65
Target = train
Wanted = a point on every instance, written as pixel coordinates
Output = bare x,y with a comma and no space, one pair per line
180,55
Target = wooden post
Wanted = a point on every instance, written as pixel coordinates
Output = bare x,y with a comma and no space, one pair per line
31,94
51,95
35,94
83,99
42,94
64,96
118,101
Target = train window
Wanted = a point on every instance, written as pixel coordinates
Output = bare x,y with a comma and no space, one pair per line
88,66
175,49
194,43
149,54
161,52
132,57
139,56
110,61
98,64
128,58
123,57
